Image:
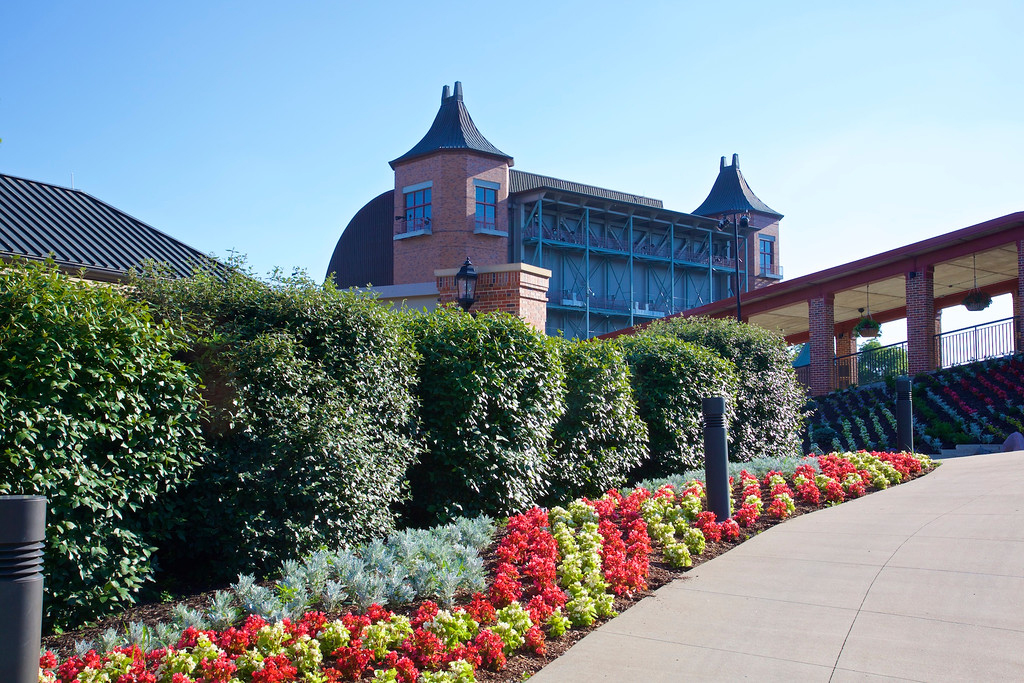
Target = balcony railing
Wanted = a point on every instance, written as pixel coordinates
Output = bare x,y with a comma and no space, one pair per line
653,309
957,347
970,344
414,226
772,270
578,238
871,365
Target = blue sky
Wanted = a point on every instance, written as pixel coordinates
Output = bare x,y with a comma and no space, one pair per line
262,127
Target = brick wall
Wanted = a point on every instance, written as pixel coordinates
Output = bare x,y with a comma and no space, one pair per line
765,225
769,227
453,208
846,369
821,318
921,320
516,288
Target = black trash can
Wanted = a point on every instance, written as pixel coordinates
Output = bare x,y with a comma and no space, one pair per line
22,531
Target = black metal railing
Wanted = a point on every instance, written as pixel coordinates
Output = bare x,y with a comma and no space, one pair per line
871,365
970,344
416,225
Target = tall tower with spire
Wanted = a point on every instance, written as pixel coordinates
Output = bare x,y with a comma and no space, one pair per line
731,197
451,197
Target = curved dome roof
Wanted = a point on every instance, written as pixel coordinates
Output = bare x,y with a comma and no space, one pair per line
364,253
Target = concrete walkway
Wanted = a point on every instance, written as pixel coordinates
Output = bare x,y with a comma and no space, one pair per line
922,582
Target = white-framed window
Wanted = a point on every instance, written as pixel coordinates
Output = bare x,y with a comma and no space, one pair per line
417,216
486,195
766,255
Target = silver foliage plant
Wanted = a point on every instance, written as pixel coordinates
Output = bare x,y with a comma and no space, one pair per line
413,564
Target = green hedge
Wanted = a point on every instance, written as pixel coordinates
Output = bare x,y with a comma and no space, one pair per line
770,402
98,417
670,378
313,420
600,438
490,390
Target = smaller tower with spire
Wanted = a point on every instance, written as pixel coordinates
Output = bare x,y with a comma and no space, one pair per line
731,197
451,197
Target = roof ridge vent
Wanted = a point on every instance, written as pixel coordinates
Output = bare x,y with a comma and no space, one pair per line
458,91
446,93
736,161
721,165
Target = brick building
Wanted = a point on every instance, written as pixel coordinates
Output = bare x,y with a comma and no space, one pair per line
612,258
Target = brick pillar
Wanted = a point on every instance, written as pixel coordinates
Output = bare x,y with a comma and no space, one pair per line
846,370
921,320
516,288
1018,301
822,324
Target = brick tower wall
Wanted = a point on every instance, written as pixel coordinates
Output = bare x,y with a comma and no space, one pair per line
453,208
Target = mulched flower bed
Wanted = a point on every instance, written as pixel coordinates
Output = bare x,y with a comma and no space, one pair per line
629,588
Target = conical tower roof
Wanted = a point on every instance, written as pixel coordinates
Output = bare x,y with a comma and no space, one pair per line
453,128
731,194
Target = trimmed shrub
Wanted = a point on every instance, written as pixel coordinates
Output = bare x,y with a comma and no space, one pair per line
769,403
670,379
312,426
600,438
490,390
97,417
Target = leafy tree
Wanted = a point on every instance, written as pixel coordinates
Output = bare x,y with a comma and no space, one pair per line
769,402
877,363
670,378
600,438
101,419
312,425
490,391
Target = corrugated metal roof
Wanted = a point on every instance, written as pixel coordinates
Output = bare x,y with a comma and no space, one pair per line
365,251
453,128
731,194
38,220
520,181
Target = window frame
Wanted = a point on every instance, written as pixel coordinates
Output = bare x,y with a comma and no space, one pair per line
489,190
418,213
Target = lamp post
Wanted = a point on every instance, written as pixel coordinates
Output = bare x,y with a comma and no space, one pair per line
744,222
465,285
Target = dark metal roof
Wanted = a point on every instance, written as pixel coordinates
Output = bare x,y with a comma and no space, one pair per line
365,251
731,194
453,128
520,181
38,220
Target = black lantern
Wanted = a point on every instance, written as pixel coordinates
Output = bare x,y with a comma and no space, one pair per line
465,285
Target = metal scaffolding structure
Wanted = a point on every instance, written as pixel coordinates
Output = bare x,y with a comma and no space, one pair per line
615,264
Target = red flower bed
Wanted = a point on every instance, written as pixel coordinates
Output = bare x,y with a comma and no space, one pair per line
518,613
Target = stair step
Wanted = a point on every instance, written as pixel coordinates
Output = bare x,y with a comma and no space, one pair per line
963,449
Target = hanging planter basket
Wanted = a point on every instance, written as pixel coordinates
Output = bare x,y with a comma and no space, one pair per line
867,327
977,300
